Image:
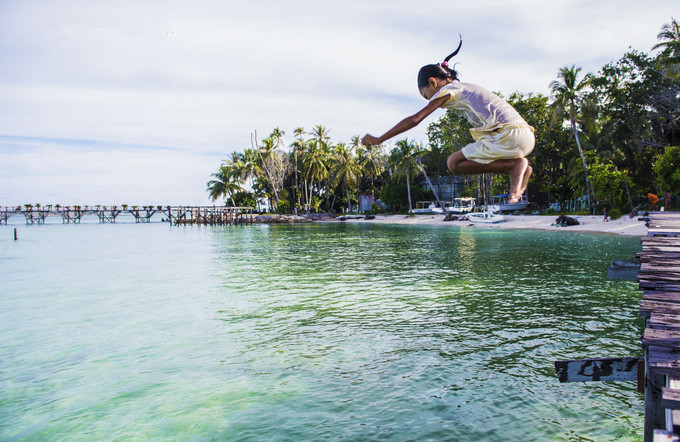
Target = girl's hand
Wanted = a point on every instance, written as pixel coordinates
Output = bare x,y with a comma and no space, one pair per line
369,140
406,124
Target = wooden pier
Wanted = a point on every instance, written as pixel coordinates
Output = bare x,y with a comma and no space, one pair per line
659,280
178,215
658,372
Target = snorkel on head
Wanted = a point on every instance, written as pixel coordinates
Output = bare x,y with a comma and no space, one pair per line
439,70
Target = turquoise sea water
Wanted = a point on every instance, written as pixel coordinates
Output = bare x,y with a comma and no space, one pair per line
311,332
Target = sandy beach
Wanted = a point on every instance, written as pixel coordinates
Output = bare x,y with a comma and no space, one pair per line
587,223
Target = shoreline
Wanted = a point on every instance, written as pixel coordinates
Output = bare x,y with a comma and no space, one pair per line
587,223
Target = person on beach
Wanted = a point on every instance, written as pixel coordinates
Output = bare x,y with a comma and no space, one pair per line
653,199
502,138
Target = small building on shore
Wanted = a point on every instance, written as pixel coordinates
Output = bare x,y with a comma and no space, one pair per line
446,187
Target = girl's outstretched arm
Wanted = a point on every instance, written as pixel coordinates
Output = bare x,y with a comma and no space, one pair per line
405,124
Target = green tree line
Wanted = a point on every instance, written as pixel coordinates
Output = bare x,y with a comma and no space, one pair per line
608,138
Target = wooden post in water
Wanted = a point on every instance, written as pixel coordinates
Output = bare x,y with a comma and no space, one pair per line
655,414
15,234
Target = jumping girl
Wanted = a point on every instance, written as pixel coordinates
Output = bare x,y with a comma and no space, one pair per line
502,138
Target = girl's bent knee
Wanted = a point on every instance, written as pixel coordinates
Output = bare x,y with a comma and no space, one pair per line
451,163
454,159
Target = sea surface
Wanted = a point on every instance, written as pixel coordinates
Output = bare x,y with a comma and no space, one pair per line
311,332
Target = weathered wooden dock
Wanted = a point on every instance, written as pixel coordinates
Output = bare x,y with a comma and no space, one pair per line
658,372
659,280
177,215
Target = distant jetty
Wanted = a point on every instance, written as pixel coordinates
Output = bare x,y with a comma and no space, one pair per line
176,215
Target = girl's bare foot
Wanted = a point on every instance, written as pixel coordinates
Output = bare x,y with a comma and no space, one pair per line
516,175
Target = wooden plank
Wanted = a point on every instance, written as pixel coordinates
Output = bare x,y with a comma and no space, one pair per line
648,307
661,296
646,284
658,250
657,267
659,242
661,338
670,398
665,436
656,240
663,232
660,258
659,276
664,321
662,255
601,369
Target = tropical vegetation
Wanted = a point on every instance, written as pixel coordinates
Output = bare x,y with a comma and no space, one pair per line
605,138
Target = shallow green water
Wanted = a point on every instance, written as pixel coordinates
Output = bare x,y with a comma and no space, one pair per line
311,332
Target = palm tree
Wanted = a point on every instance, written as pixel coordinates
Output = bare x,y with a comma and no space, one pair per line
277,137
568,94
670,54
299,145
403,159
224,185
370,159
250,168
315,165
322,141
320,134
315,204
264,151
345,170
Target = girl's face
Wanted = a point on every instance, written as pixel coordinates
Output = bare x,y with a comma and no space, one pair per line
433,86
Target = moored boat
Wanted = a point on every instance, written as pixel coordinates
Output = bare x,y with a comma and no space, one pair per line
502,205
461,206
486,217
424,207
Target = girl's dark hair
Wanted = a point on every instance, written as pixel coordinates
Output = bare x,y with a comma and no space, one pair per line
439,70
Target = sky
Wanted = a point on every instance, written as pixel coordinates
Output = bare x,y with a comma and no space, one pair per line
138,102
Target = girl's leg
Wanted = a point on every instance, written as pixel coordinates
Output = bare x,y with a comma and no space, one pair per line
525,180
515,169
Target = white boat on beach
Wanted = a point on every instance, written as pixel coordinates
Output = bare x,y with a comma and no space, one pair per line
485,217
461,206
502,205
424,207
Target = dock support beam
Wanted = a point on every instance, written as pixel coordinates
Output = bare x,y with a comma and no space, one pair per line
655,414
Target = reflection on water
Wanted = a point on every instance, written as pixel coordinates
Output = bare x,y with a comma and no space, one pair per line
311,332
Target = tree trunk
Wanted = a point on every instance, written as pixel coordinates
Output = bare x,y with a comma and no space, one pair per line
349,201
297,197
408,190
585,167
304,187
328,193
427,178
266,169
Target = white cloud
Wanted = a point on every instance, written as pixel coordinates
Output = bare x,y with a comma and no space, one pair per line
197,78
